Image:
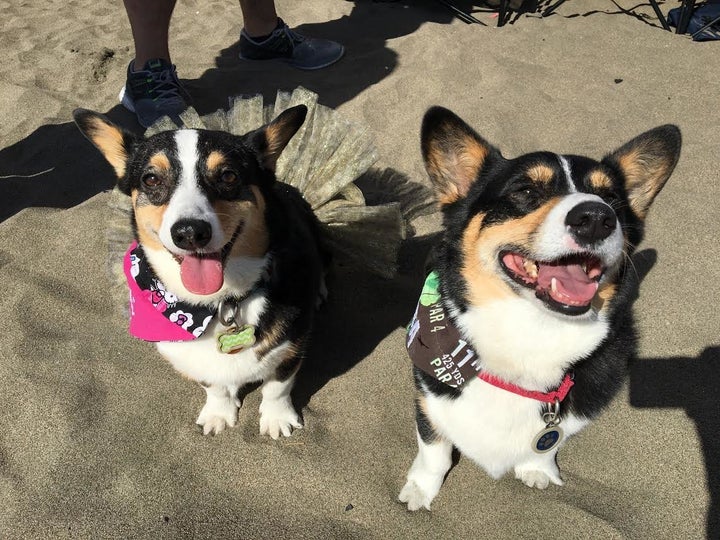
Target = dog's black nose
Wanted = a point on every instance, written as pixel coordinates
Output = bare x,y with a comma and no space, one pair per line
591,222
191,233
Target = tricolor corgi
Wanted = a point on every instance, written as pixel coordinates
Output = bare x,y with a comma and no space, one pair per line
227,266
524,329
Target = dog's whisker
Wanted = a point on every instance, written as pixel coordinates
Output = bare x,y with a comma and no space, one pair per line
631,263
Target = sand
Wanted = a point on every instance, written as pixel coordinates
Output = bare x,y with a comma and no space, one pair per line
98,436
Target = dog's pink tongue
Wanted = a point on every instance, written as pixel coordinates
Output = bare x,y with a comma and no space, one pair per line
572,284
202,275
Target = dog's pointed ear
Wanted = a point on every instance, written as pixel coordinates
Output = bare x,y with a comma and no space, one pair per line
646,163
271,139
113,142
454,154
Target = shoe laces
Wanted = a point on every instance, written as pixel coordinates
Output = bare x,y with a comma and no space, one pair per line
291,35
159,85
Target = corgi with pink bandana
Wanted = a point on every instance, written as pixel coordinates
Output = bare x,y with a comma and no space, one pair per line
226,267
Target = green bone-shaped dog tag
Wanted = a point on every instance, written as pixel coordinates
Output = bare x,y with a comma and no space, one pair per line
236,339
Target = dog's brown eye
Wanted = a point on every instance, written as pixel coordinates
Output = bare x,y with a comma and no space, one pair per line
525,195
228,177
151,180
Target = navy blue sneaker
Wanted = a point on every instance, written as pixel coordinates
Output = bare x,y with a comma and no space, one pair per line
299,51
154,92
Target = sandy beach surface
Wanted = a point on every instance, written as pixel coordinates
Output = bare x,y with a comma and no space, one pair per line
97,434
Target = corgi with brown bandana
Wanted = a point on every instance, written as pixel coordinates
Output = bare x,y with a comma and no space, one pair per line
227,268
524,329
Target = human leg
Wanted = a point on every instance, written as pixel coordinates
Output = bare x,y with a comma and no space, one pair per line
150,24
259,17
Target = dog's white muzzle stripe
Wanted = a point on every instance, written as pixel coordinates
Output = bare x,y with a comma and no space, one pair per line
188,201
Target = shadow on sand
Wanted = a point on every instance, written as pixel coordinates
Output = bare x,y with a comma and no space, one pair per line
692,384
71,171
361,311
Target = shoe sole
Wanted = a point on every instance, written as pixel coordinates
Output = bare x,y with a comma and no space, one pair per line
125,100
290,61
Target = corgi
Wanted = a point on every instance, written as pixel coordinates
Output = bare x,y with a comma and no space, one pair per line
524,329
227,266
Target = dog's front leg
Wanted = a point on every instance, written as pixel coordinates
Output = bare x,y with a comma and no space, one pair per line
277,414
539,471
220,409
427,472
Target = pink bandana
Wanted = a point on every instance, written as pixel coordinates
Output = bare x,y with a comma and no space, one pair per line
156,314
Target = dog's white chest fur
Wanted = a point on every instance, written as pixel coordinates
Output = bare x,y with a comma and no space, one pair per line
523,343
200,359
493,427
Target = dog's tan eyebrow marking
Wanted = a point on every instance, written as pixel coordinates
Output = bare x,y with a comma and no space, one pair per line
215,160
541,173
600,180
160,161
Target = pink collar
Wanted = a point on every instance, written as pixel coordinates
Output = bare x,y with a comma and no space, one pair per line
546,397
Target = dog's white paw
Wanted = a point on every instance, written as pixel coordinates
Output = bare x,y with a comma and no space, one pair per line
278,417
216,416
414,496
537,478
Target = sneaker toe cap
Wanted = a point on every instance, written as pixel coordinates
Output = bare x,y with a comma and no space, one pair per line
149,112
315,53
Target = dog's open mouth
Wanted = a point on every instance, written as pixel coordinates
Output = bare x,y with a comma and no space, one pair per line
567,285
203,273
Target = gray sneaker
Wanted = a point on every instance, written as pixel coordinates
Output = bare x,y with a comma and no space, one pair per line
299,51
154,92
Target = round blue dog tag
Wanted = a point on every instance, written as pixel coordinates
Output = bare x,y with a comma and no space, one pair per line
547,439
